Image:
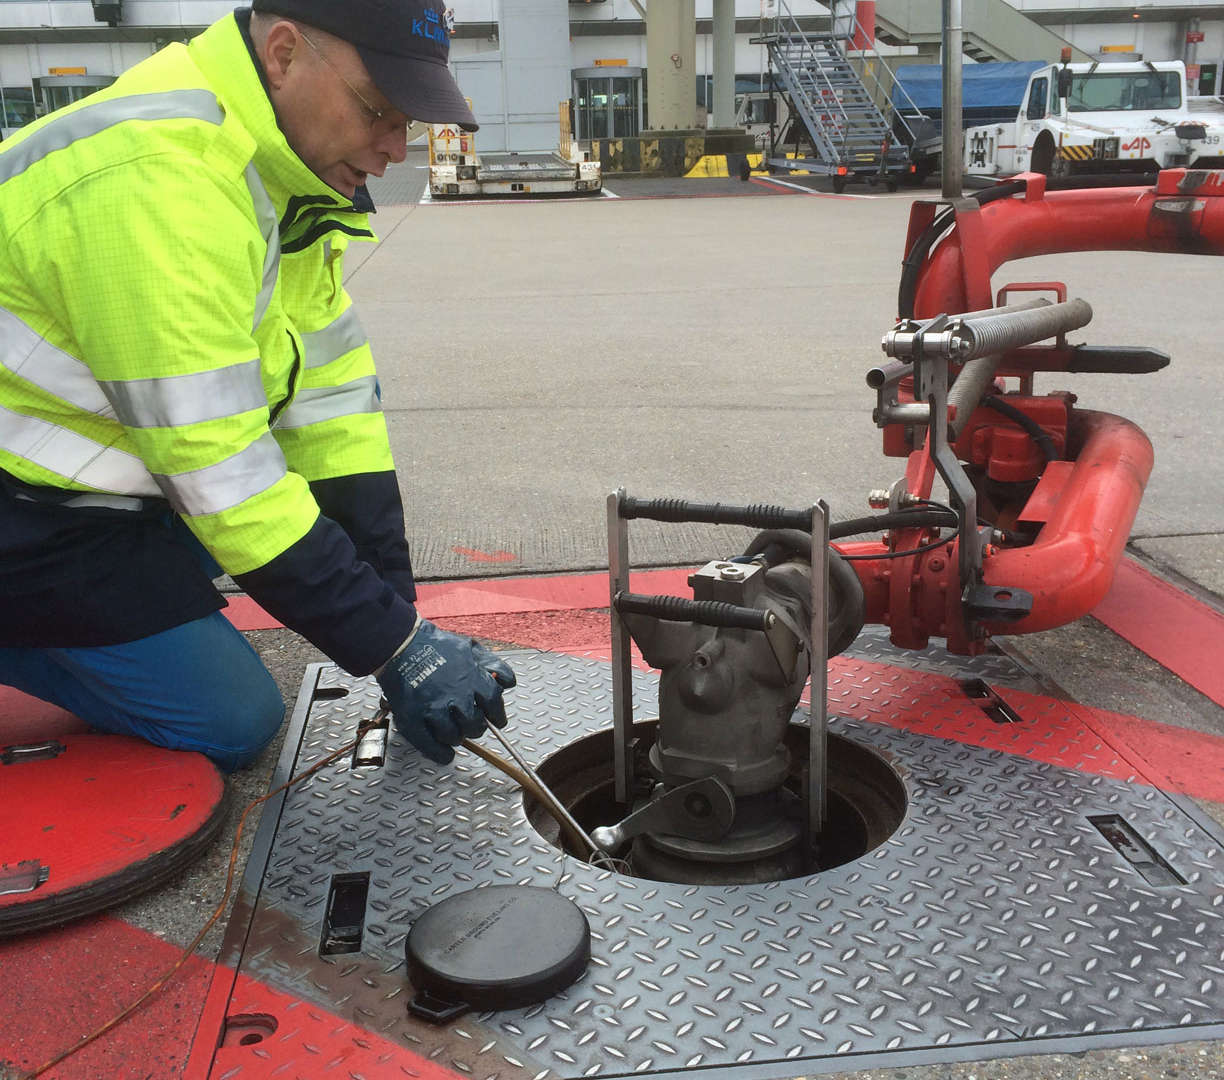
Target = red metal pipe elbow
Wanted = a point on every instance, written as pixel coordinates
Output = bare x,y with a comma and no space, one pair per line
1071,565
1068,568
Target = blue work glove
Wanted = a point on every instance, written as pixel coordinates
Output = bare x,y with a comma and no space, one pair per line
442,688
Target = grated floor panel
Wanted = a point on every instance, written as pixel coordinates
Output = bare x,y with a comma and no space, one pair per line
1025,902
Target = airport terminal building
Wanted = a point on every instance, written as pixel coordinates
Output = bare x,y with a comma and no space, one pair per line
511,55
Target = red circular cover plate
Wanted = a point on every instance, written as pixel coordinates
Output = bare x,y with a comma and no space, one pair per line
88,821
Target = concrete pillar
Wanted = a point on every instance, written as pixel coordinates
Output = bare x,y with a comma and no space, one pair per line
1193,30
724,64
671,65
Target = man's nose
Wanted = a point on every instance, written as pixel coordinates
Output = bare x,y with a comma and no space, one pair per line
394,143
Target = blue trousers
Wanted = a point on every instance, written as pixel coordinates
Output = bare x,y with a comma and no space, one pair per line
199,686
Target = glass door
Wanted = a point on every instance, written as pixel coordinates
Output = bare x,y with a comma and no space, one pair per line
624,105
592,110
608,106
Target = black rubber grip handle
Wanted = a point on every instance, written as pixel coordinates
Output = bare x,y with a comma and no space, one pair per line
758,515
706,612
1121,360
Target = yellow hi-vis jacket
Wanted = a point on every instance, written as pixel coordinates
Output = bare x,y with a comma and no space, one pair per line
173,326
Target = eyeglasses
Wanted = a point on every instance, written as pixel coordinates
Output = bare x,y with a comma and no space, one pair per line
373,114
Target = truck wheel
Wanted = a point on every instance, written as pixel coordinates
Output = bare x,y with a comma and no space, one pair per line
891,183
839,184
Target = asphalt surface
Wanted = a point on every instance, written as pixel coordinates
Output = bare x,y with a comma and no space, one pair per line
708,339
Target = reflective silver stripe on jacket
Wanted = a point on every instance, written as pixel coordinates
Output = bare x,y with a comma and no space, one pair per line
73,456
33,358
227,483
313,406
342,335
265,214
92,119
175,400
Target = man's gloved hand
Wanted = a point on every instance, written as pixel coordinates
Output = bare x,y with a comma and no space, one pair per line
442,688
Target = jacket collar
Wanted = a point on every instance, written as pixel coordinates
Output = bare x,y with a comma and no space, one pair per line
225,55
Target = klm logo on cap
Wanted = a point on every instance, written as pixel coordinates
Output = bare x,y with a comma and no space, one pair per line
429,27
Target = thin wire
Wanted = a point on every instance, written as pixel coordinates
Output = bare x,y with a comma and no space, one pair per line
900,554
212,919
527,783
912,551
597,857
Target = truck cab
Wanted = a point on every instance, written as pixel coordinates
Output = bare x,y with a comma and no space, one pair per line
1127,117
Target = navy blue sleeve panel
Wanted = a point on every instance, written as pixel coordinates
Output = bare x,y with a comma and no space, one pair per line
368,507
337,601
87,577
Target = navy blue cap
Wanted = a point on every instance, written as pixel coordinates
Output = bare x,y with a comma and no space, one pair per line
404,45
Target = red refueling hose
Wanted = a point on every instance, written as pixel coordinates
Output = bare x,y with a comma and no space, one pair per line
1088,503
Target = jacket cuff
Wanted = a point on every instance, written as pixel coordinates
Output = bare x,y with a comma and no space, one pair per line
338,602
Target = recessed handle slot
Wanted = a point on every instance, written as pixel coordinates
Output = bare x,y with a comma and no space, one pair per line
1135,850
344,923
983,695
247,1029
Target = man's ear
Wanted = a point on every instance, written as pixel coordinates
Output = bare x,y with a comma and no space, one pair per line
279,49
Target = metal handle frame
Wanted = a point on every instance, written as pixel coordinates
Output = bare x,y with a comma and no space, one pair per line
817,519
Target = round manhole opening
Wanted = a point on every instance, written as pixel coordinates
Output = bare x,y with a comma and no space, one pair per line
865,804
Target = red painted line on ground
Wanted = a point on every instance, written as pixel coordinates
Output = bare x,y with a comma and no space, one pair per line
474,555
1177,631
245,614
1057,732
795,189
1061,733
1174,758
497,596
62,984
270,1034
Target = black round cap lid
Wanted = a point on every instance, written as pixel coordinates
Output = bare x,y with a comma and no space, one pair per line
500,947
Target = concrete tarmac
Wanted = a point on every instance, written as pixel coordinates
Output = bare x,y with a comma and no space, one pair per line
536,356
709,340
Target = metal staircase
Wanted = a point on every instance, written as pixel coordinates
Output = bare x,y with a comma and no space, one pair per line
842,95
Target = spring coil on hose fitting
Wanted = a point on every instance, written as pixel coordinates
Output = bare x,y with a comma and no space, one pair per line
999,333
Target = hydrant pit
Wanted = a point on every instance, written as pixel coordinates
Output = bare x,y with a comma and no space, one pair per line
866,803
1037,896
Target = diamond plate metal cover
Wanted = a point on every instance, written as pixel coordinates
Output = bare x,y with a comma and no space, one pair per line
997,920
993,666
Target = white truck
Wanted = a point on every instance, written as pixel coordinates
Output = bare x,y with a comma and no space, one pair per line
456,169
1101,118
